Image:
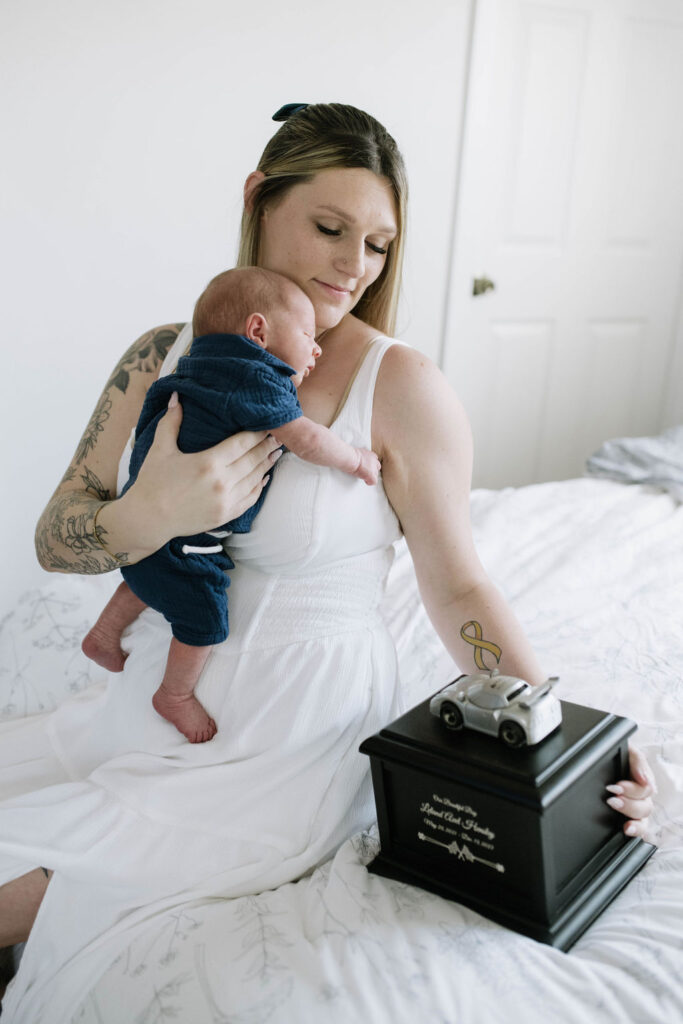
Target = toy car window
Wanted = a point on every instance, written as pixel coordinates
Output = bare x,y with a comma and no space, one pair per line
487,699
516,693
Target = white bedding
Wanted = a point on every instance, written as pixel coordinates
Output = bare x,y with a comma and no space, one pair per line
594,570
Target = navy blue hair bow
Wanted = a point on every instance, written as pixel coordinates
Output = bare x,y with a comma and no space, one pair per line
289,108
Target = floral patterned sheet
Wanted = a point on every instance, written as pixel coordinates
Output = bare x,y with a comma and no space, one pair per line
594,570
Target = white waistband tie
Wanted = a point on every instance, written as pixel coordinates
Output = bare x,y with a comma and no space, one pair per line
206,549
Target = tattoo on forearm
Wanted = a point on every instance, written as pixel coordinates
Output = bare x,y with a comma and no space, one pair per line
65,535
88,565
71,525
94,485
94,428
476,640
78,535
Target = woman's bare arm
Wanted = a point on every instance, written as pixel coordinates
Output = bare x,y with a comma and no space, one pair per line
426,453
65,537
174,494
423,438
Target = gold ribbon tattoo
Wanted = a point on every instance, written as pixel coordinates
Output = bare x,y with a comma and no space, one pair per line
475,639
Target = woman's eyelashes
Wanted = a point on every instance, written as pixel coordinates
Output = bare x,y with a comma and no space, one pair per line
336,232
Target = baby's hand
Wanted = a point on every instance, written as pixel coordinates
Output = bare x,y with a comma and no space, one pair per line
368,467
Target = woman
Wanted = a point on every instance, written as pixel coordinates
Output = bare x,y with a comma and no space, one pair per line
309,669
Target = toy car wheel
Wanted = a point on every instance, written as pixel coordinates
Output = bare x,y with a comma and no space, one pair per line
512,734
451,715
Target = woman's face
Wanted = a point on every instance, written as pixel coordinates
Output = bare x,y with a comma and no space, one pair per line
330,236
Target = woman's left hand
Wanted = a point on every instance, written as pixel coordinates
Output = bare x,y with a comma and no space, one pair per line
633,797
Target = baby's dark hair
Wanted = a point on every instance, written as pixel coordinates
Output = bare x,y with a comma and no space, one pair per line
227,300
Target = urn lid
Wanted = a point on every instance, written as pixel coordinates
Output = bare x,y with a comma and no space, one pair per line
420,739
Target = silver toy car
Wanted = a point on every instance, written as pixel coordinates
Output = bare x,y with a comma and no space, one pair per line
504,706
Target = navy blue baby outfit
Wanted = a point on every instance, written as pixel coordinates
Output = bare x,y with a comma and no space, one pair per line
226,384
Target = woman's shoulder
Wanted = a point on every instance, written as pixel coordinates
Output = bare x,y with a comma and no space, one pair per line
407,368
413,396
404,372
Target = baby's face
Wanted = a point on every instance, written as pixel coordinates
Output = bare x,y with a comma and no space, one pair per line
292,336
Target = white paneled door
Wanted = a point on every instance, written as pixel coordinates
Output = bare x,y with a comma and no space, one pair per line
570,204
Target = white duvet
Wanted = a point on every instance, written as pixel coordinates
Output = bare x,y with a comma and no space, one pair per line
594,570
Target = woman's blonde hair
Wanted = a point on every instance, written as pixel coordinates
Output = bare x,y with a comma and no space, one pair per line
318,137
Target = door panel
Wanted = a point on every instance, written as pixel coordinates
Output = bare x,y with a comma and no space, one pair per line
571,202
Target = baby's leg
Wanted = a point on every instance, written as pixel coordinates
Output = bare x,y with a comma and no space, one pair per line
175,699
103,643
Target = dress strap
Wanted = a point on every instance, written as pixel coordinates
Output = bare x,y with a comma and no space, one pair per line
351,380
356,410
179,348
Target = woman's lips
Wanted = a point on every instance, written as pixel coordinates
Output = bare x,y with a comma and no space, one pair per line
332,290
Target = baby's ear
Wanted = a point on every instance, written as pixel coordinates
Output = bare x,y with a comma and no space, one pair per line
256,329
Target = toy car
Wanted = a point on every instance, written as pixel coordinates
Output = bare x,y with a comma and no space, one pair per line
503,706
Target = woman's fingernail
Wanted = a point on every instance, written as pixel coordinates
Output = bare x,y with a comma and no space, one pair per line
265,481
274,456
631,829
615,789
616,802
173,400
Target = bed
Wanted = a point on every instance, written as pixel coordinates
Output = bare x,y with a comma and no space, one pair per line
594,570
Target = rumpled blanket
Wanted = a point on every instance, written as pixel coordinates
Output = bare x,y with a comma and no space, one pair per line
643,460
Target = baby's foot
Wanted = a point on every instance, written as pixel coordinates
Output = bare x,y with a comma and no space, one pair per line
186,713
103,647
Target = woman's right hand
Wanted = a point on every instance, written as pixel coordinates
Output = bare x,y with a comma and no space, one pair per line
179,494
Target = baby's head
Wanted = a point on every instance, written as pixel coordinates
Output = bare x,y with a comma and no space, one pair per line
265,307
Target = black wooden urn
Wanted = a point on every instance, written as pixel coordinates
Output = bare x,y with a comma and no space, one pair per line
523,836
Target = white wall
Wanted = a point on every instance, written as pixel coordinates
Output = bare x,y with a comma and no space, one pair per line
127,129
673,411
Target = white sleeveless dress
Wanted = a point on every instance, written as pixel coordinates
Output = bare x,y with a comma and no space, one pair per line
133,818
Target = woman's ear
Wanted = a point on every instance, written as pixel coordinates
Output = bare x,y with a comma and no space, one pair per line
250,187
256,329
